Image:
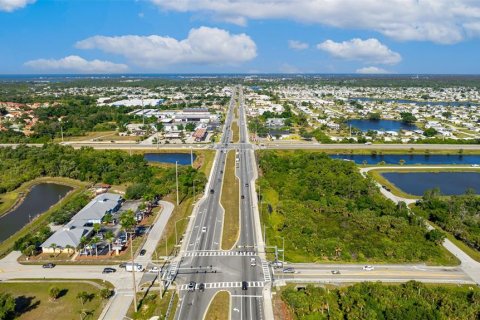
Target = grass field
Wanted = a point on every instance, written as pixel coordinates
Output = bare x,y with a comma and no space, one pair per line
179,218
230,202
150,305
219,308
33,301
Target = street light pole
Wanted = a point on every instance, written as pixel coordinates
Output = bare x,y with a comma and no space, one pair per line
176,238
176,177
133,274
191,156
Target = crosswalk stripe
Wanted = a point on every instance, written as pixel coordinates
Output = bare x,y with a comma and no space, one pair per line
225,285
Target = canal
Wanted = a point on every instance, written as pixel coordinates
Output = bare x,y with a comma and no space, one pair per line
40,197
410,159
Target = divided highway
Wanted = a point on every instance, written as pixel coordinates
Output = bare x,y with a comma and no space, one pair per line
201,260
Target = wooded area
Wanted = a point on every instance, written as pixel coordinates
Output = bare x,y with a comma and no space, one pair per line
412,300
459,215
326,210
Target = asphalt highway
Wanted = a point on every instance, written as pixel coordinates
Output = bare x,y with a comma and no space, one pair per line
201,258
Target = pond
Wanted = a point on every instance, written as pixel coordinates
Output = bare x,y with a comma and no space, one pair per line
420,103
449,183
41,197
410,158
380,125
182,158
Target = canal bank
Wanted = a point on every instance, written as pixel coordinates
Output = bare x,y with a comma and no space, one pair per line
75,187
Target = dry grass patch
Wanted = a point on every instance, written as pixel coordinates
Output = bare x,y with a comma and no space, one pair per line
219,307
230,203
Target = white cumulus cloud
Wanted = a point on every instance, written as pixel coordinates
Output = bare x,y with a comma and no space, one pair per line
12,5
367,51
440,21
202,46
297,45
372,70
76,64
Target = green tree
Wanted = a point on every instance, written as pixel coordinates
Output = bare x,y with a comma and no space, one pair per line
54,293
436,236
407,117
375,116
7,305
105,293
430,132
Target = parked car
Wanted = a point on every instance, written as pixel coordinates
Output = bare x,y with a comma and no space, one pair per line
288,270
191,286
142,252
368,268
244,285
335,271
109,270
48,265
201,287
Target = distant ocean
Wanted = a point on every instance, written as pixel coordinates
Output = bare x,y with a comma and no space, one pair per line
190,76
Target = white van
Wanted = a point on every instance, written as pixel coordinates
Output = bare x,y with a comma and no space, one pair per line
138,267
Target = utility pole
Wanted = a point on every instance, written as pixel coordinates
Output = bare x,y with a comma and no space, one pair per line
61,128
176,177
191,156
133,274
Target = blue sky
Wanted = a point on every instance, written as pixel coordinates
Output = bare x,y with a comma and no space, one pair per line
309,36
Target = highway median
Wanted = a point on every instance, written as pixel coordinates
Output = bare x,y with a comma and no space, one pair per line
230,203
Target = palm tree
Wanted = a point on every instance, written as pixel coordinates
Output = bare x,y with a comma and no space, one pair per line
95,241
69,248
54,247
97,227
109,236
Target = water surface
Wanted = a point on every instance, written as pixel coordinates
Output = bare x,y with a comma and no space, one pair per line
449,183
380,125
182,158
41,197
410,159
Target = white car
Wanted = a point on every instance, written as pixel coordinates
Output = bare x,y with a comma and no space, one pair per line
253,262
154,269
204,229
475,165
368,268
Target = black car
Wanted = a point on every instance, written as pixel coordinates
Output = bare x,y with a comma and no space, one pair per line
109,270
48,265
142,252
246,185
212,191
244,285
201,287
243,197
